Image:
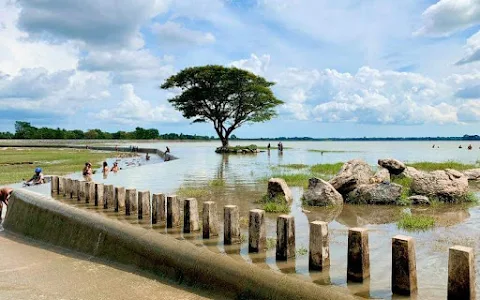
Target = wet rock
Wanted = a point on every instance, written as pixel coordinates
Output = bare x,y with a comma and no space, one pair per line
409,172
472,174
278,186
321,193
353,173
380,193
419,200
382,175
394,166
447,185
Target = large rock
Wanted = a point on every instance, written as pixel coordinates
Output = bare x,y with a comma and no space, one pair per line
410,172
382,175
353,173
395,167
447,185
278,186
321,193
419,200
380,193
472,174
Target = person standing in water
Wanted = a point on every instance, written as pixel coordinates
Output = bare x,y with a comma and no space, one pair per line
105,170
147,157
87,171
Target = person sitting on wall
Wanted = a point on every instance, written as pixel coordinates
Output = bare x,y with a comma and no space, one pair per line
5,194
115,167
168,150
37,178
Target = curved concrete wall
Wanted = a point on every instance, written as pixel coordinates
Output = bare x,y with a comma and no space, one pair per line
45,219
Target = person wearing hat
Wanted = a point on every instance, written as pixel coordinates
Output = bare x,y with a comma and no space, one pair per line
37,178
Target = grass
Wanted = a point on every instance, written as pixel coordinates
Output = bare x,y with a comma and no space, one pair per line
193,192
292,179
273,207
294,166
17,164
216,183
326,169
433,166
271,243
415,223
301,251
328,151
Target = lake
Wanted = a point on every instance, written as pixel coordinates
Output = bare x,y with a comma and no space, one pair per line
237,179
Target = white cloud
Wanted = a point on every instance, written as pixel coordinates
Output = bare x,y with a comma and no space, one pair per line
98,23
449,16
134,110
172,33
254,64
472,50
469,111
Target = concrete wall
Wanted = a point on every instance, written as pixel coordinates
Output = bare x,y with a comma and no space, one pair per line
42,218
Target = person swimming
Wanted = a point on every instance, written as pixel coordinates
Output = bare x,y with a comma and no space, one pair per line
470,147
115,167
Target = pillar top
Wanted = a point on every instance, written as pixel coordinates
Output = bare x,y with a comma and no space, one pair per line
461,248
318,223
230,206
257,211
402,238
358,229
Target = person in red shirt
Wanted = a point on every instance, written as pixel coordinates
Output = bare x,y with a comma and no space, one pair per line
5,194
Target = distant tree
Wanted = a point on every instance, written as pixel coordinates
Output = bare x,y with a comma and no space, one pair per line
227,97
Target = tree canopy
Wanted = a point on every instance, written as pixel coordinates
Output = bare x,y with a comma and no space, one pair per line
226,96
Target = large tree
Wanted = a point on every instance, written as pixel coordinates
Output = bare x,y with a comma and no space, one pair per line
227,97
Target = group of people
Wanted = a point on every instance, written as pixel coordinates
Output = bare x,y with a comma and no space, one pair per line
279,146
469,147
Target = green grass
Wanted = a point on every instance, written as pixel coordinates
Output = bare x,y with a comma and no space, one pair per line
17,164
271,243
433,166
415,223
302,251
193,192
273,207
292,179
326,169
294,166
216,183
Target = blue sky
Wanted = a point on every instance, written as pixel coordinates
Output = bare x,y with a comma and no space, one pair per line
345,68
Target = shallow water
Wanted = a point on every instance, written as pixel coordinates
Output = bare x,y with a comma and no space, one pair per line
199,165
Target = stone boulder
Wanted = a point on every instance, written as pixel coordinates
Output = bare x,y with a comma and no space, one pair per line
472,174
353,173
382,175
321,193
410,172
447,185
395,167
278,186
379,193
419,200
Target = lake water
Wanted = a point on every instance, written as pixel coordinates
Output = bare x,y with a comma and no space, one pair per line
199,166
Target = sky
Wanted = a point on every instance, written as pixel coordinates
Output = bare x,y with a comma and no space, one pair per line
344,68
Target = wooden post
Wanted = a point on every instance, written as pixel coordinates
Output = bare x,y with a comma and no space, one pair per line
99,189
190,216
130,201
358,265
404,271
285,237
119,199
319,254
173,212
257,233
461,273
210,219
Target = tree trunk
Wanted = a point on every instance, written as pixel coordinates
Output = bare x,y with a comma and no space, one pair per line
224,141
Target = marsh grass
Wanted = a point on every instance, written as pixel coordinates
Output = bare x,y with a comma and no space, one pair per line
18,163
271,243
415,223
273,207
433,166
326,169
193,191
216,183
294,166
301,251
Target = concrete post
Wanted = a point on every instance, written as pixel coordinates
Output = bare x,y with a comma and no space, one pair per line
75,189
461,273
257,233
404,271
61,186
54,185
99,188
108,195
231,223
119,199
82,190
143,204
190,216
158,208
319,255
68,188
131,201
90,192
358,264
210,219
285,237
173,212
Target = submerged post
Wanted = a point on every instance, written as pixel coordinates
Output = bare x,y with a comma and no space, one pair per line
99,188
158,208
108,195
461,273
130,201
257,233
404,270
190,215
231,223
54,185
210,219
285,237
173,211
90,192
319,255
358,264
119,200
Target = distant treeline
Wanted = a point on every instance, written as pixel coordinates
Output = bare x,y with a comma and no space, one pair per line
454,138
24,130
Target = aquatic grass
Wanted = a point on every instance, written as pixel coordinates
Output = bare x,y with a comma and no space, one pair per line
301,251
294,166
292,179
326,169
433,166
271,243
216,182
18,163
273,207
415,223
193,191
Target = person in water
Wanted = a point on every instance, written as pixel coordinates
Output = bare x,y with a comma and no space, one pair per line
268,147
5,194
147,157
87,171
37,178
470,147
168,150
105,169
115,167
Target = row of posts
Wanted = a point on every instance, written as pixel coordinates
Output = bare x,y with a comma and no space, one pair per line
461,274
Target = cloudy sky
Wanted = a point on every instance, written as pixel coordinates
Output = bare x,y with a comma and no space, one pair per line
344,68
